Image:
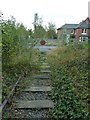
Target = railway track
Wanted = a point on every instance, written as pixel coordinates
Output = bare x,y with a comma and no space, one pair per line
10,94
33,102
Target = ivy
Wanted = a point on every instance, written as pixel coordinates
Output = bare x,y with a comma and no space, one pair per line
69,66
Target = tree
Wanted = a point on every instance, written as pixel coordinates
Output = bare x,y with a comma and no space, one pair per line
14,38
39,31
30,32
51,31
9,40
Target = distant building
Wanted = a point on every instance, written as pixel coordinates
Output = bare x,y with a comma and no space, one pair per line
80,32
66,29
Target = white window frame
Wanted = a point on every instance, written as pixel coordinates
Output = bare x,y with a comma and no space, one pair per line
83,30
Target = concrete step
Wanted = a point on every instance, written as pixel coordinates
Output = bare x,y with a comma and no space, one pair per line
41,82
34,104
45,71
39,89
40,77
45,66
45,63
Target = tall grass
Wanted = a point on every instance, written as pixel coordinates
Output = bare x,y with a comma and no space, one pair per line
21,64
69,66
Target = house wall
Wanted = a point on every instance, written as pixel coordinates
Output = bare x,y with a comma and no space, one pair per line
88,32
59,33
78,33
69,31
88,20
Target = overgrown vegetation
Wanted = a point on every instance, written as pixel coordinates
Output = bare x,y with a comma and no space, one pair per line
69,66
18,57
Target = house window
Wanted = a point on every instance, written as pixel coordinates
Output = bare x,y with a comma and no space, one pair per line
83,30
82,39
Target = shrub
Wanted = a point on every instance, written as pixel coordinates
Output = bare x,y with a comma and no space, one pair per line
17,57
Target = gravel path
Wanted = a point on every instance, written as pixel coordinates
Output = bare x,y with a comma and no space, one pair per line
38,113
41,82
32,96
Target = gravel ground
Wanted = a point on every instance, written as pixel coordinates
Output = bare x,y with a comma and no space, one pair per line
41,83
31,96
26,113
34,113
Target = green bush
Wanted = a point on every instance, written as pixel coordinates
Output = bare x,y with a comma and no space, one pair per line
69,66
17,58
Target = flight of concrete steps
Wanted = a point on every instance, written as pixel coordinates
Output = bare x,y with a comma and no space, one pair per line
40,103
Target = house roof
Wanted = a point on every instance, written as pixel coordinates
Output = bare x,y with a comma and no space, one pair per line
68,26
84,24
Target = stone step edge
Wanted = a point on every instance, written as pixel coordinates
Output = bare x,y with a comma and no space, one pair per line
40,77
34,104
45,66
38,89
45,71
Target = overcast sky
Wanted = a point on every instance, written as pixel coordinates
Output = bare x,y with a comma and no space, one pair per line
57,11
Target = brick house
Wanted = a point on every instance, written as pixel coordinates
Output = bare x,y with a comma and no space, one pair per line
82,31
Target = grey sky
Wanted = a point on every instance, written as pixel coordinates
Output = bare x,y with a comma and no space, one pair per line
57,11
